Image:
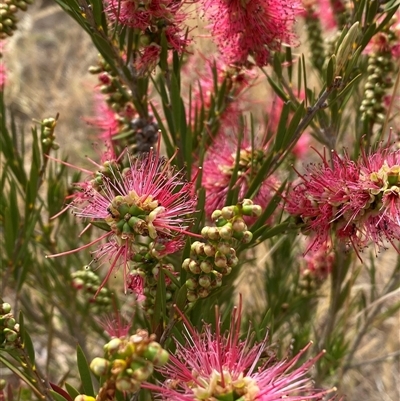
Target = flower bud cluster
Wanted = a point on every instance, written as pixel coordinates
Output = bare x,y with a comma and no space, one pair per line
381,66
48,137
117,95
139,132
213,259
8,18
128,362
9,328
150,286
88,283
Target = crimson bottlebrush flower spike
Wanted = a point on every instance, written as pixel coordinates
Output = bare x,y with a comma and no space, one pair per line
219,366
243,28
358,201
150,198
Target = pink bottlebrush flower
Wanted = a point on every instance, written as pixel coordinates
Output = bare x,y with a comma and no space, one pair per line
149,198
106,119
215,366
218,168
152,16
243,28
115,325
357,201
135,284
148,59
318,265
237,81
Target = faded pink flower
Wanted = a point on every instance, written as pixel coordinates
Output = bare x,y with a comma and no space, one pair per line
215,366
318,265
218,169
243,28
357,201
150,198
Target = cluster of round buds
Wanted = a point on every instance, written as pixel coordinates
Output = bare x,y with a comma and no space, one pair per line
47,136
128,362
9,328
213,259
150,286
88,283
108,170
8,18
381,65
118,96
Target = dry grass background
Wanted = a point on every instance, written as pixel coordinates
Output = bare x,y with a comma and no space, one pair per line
47,61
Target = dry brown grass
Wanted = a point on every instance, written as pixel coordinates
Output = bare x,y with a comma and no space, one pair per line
47,61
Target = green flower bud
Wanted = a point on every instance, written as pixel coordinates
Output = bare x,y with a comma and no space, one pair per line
206,266
99,366
191,283
185,264
191,296
5,308
226,231
141,371
204,231
209,250
239,225
247,237
220,260
194,267
126,384
204,281
203,292
213,233
216,214
113,345
10,335
156,354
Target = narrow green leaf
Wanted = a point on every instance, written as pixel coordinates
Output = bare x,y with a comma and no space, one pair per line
84,372
277,89
294,123
181,298
28,346
262,234
277,65
22,375
330,70
281,132
72,391
57,396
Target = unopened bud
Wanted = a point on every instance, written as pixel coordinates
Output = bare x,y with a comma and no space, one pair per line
99,366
